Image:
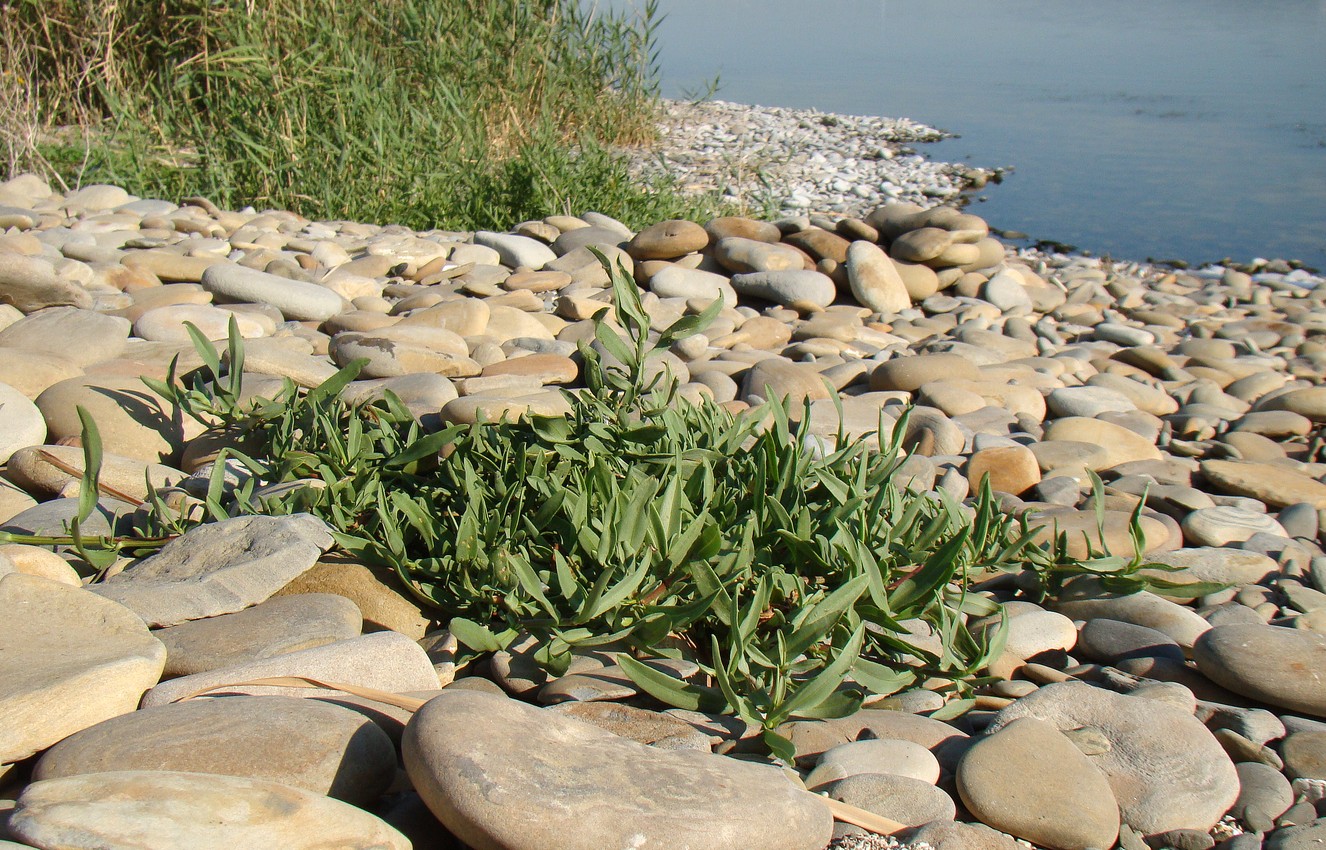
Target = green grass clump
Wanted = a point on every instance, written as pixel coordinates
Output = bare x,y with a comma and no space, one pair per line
427,113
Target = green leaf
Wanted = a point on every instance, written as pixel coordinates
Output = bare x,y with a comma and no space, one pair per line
90,484
615,345
881,680
950,710
670,689
779,747
476,637
810,694
840,703
825,615
206,351
332,387
426,447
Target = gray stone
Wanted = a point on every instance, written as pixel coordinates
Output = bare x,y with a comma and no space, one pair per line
1304,753
882,755
1279,666
1215,564
1223,525
1302,836
681,282
305,743
788,288
1166,769
295,299
1029,780
956,835
1112,640
219,568
279,625
1265,795
21,423
904,799
487,767
1086,598
68,660
516,250
386,661
157,810
1087,401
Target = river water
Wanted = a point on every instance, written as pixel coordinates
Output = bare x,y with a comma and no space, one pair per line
1187,129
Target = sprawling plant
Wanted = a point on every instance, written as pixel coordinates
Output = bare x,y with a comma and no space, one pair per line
795,574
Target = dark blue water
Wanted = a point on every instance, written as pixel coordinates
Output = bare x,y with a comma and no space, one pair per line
1192,129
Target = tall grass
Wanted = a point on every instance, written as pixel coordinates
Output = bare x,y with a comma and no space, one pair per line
429,113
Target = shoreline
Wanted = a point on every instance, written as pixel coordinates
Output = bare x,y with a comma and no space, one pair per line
784,162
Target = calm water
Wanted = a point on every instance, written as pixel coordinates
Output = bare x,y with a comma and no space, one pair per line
1191,129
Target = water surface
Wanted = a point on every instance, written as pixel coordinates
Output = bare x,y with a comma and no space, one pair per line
1191,129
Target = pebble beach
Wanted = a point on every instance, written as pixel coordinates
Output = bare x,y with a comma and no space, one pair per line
856,284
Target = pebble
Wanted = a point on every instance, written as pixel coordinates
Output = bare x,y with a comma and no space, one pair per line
1027,367
487,765
69,659
1057,798
219,568
295,299
307,744
874,279
163,810
889,756
787,288
1279,666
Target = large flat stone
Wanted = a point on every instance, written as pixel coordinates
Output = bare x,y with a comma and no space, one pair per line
502,774
1166,769
383,660
274,627
305,743
157,810
68,660
219,568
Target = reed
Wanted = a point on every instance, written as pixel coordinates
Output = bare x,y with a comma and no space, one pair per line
427,113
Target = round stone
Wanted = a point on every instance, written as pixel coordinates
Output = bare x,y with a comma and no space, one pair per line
894,757
909,373
874,279
668,240
21,423
304,743
1029,780
904,799
68,660
1275,485
1009,469
160,810
487,766
1121,445
788,288
1279,666
1223,525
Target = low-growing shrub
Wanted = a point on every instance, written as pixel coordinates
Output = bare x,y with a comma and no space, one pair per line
799,576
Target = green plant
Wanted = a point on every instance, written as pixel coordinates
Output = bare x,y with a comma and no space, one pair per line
429,113
794,572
